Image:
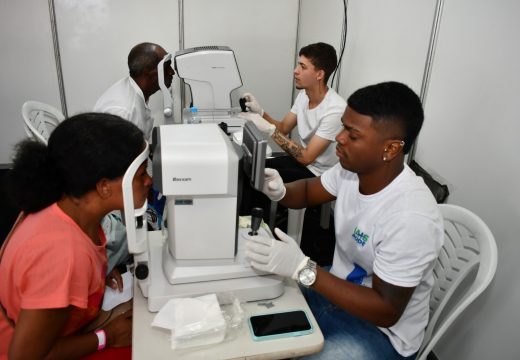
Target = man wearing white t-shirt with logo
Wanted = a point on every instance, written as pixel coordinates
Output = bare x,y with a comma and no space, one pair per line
373,304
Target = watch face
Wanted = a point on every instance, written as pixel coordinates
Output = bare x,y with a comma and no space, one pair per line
307,277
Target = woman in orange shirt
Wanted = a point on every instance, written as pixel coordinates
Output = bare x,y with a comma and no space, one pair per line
52,268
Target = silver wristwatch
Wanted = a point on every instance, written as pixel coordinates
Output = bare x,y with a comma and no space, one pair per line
307,275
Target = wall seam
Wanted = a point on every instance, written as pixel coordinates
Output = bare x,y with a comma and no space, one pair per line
428,65
57,57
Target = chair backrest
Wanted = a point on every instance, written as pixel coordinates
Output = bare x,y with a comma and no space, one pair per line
40,119
468,245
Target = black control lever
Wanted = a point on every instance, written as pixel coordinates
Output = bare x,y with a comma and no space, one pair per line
224,127
242,102
256,219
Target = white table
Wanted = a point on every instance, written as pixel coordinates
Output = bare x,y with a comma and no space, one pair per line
154,343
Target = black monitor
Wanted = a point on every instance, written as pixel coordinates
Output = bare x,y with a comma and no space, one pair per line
254,146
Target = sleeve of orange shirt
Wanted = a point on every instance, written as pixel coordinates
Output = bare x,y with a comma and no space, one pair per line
55,273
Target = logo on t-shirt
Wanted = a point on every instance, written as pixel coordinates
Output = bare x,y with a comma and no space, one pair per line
360,237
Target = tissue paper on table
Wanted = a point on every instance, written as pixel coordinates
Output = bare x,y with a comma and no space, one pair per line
193,321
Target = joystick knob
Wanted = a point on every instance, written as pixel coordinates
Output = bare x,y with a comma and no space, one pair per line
256,219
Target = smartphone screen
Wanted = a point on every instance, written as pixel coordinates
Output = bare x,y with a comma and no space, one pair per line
291,323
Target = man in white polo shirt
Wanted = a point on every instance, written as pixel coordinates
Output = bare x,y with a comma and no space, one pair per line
129,96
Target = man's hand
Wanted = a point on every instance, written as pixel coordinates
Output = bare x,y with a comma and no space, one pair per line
262,124
274,187
252,104
278,257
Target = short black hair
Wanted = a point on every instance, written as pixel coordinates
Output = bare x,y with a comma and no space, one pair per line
81,151
143,57
393,102
322,56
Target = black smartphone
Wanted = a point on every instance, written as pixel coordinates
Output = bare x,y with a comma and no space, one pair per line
278,325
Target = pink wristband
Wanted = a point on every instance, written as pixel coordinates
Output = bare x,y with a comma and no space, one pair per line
102,339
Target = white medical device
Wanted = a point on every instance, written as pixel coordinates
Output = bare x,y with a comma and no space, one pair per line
212,74
167,96
197,168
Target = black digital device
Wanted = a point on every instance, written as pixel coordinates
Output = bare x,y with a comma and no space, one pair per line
278,325
254,146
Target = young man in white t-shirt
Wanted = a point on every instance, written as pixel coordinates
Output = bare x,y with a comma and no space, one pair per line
373,304
316,113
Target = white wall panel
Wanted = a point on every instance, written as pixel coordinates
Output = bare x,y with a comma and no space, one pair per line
263,36
470,138
320,21
95,39
387,40
27,70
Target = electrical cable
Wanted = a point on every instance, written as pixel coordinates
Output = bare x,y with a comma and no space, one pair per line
342,44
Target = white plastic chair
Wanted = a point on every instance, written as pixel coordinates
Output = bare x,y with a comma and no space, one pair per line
468,245
40,119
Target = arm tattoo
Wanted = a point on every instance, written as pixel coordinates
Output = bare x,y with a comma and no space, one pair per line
289,146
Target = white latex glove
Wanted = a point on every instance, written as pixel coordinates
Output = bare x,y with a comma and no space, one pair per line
273,187
278,257
252,104
262,124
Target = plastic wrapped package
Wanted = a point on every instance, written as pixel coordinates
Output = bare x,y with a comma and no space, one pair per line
199,320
